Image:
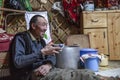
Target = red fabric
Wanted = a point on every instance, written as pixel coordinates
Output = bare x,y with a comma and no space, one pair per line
5,40
110,3
71,10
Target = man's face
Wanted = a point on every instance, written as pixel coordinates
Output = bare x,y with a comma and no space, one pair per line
40,27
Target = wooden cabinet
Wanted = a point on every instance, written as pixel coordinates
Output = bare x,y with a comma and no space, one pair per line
95,25
103,28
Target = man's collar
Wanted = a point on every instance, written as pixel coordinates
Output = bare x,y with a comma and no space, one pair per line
32,37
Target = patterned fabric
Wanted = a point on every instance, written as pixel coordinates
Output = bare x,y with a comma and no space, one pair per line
111,3
69,74
72,10
5,40
106,3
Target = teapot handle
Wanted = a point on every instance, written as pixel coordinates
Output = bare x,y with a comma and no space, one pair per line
82,59
81,6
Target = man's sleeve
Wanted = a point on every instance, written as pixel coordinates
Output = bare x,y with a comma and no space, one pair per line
50,59
20,58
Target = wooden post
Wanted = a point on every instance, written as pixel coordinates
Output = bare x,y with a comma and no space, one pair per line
12,10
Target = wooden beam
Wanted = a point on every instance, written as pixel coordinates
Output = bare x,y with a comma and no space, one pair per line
12,10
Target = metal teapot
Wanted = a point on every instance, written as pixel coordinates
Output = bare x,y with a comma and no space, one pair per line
89,6
68,57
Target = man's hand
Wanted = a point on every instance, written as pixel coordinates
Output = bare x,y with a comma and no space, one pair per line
43,70
49,49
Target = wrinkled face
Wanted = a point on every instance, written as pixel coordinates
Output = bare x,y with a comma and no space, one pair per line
40,27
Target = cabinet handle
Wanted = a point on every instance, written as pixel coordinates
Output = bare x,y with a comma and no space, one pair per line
94,20
104,34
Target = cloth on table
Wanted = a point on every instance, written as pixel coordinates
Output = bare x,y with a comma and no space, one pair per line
69,74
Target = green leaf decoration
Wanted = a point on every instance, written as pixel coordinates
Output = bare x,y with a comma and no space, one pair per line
45,36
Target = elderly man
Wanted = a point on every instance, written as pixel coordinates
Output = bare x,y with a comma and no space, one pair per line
29,52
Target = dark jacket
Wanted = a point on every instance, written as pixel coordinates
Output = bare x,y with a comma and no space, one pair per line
25,55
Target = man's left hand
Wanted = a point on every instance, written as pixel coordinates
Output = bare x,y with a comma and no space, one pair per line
43,70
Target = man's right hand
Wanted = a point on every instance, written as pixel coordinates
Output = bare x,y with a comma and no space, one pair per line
49,49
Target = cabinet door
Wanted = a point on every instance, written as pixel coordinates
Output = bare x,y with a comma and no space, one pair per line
114,35
98,39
